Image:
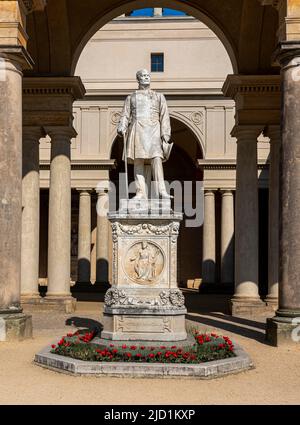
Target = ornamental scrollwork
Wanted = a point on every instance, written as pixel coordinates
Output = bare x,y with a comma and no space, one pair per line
144,229
169,298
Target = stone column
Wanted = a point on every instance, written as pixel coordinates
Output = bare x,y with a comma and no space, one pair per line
273,260
209,238
282,328
30,215
246,301
102,246
227,237
59,239
84,237
13,324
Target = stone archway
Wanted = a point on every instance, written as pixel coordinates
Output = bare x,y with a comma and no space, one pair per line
197,13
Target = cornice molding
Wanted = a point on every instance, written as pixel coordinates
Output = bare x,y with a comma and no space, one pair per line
251,84
225,164
105,164
48,86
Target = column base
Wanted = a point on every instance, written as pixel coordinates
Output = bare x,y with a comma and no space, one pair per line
15,327
284,328
31,299
66,304
271,303
247,308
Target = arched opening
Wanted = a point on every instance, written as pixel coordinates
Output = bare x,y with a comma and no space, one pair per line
179,5
181,167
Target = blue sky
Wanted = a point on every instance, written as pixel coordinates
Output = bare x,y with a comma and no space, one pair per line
149,12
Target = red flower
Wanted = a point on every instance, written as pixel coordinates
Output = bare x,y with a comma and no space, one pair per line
163,347
133,347
174,346
53,346
151,355
142,347
138,355
128,355
111,345
69,335
124,346
114,351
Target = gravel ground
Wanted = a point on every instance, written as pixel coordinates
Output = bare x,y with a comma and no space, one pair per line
275,380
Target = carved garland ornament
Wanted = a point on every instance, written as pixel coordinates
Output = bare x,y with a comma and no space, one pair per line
144,229
168,298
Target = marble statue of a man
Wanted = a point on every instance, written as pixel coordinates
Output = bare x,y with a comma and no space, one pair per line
145,126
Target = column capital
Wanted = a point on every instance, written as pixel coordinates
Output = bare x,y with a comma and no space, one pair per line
226,192
58,133
209,192
18,56
33,134
257,98
246,132
102,192
274,133
84,190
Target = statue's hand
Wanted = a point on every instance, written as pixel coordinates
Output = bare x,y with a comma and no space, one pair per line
121,133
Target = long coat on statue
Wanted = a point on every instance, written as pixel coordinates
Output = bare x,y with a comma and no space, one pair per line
145,119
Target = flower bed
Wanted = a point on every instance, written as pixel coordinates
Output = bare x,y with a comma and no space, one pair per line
207,347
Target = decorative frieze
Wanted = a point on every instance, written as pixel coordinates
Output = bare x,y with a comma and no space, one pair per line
173,298
119,229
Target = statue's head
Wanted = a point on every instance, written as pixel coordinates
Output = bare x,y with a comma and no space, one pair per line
143,77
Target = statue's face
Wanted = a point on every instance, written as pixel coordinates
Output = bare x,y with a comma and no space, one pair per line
144,78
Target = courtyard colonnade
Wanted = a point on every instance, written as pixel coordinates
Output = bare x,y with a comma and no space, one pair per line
255,88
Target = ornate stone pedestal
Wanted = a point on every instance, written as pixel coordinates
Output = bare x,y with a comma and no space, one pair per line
144,302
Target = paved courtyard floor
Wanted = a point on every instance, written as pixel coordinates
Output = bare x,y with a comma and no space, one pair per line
275,380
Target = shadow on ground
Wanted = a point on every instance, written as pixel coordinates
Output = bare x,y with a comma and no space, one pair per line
87,324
